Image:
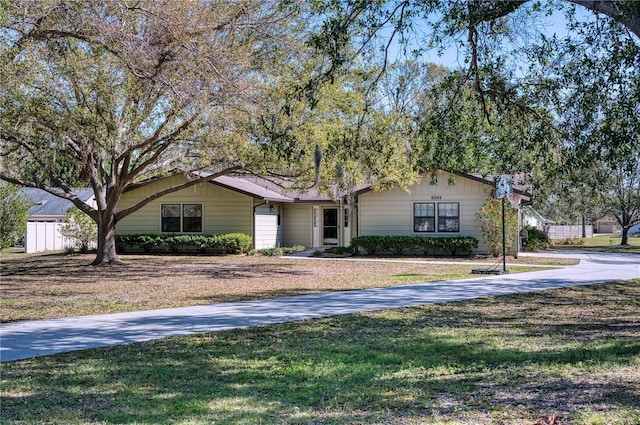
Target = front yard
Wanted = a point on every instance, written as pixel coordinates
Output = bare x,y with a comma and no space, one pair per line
563,357
42,286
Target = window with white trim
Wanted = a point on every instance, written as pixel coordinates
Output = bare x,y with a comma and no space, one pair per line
443,216
424,217
177,218
448,217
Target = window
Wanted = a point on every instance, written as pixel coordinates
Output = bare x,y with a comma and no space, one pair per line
181,218
447,217
171,217
192,218
424,217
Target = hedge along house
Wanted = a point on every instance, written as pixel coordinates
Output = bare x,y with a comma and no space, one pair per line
274,216
46,216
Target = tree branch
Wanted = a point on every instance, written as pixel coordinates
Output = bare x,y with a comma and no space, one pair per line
625,12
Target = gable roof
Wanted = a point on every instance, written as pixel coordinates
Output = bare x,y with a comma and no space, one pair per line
47,204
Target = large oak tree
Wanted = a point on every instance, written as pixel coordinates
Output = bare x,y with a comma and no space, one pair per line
117,94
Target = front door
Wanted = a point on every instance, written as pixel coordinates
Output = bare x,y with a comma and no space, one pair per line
330,226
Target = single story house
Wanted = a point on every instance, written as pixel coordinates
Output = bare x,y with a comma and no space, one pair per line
274,216
45,217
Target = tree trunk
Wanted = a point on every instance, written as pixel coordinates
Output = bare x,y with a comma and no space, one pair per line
625,236
106,252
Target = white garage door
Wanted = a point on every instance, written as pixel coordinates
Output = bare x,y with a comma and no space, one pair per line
268,232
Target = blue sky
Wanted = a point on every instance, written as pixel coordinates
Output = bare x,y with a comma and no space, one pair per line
548,25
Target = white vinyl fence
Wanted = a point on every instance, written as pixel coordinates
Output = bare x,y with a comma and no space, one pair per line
556,231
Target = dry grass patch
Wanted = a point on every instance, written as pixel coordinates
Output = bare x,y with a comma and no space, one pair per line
56,285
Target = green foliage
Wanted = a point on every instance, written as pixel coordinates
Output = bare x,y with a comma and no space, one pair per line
13,215
80,229
536,239
232,243
490,218
339,250
452,245
458,244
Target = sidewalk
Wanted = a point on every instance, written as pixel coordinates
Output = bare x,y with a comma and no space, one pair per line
22,340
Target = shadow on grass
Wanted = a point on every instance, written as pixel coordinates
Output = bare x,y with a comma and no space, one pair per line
519,353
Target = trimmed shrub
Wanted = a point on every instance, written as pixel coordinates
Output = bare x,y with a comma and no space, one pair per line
398,244
370,244
458,244
233,243
146,241
425,244
536,239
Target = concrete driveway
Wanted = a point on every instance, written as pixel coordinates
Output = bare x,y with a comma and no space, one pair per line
22,340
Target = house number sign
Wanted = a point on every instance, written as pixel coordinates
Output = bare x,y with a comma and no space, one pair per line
435,198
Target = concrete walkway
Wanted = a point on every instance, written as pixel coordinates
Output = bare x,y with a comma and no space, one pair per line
22,340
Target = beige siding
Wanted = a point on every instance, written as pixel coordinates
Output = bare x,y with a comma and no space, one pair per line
390,212
223,210
297,224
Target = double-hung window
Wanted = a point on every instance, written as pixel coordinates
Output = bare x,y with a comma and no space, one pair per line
424,217
443,216
178,218
448,217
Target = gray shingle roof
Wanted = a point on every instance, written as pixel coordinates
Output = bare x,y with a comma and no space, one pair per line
46,204
256,187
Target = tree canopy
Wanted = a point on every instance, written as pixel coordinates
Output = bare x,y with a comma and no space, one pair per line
519,73
114,94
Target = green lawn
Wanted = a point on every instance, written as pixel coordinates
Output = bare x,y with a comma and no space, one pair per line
517,359
603,244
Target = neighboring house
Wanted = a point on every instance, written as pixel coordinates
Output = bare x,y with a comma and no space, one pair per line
531,217
274,216
45,217
607,225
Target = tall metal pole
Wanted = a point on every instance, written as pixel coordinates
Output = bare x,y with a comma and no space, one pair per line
504,241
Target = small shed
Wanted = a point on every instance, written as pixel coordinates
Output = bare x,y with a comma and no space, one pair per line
45,217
